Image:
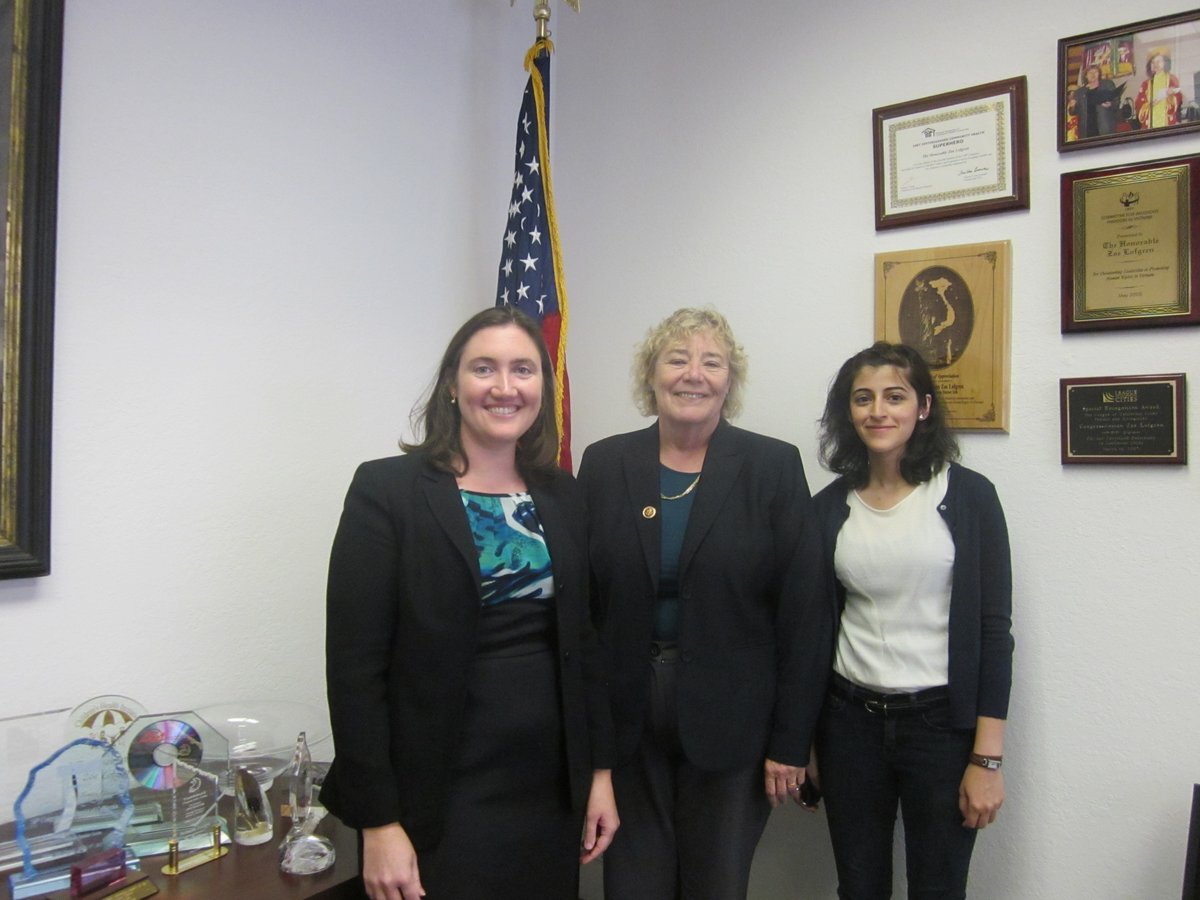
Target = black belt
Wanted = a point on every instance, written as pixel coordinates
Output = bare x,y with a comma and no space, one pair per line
874,701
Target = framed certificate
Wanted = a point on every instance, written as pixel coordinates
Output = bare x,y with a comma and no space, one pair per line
1124,419
951,304
1129,245
962,153
1129,83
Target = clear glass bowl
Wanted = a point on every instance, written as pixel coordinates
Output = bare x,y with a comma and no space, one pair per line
262,733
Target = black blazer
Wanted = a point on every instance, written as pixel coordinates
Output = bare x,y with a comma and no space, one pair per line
402,612
755,620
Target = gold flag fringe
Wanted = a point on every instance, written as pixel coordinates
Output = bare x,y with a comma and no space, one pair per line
539,99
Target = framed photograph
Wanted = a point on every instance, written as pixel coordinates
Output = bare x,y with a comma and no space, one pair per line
1129,245
963,153
952,305
1129,83
31,60
1124,419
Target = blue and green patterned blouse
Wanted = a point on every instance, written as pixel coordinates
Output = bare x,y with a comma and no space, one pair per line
513,558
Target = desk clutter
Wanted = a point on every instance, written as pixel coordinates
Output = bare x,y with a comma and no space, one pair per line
126,784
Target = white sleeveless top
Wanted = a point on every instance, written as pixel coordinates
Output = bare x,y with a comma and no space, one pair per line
897,568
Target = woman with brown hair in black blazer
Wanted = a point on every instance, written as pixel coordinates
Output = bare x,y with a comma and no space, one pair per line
471,726
706,595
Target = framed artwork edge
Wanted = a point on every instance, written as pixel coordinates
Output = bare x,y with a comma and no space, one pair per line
989,378
1122,427
1016,152
32,186
1100,35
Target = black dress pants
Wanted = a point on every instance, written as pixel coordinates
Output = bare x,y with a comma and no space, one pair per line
686,833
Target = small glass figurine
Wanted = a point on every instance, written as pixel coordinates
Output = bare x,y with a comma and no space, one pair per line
303,852
253,823
300,781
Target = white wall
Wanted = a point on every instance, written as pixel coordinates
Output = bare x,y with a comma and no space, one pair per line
273,213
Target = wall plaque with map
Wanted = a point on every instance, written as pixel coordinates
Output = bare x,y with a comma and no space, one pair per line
1130,245
1124,419
952,305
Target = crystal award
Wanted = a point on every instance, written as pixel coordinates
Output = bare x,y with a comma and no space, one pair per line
75,803
177,763
303,852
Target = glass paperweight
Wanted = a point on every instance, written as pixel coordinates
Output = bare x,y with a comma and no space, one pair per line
253,822
178,764
74,804
262,733
306,854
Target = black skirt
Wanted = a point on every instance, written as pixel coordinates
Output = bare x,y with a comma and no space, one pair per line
509,829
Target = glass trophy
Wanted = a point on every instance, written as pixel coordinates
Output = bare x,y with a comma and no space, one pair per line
253,822
178,763
75,804
303,852
300,781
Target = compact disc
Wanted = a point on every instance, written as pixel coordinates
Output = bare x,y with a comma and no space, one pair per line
165,754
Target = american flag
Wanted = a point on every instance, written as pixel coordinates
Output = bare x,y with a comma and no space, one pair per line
530,265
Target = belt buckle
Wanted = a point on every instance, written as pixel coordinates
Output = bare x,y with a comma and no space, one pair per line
876,706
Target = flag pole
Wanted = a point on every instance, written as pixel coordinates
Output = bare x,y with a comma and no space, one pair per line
541,15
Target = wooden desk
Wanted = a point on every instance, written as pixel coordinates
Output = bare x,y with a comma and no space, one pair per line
251,873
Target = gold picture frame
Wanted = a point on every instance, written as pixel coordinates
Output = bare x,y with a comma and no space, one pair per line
952,304
32,57
1131,246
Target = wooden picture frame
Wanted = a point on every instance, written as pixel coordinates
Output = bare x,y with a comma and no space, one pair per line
962,153
952,304
1108,81
34,58
1130,244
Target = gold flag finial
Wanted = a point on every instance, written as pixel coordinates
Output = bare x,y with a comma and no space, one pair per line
541,14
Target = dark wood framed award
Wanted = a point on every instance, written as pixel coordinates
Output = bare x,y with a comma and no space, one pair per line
1124,419
1130,245
1129,83
962,153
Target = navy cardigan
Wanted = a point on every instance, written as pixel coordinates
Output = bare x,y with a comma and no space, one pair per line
981,643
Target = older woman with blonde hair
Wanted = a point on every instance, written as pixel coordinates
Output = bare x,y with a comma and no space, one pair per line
706,595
